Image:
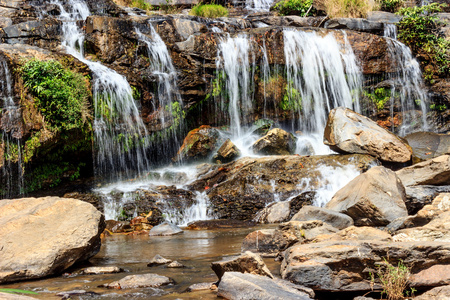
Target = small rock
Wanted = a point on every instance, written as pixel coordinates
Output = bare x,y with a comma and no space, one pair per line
158,260
198,144
101,270
436,275
236,285
69,294
275,142
175,264
227,152
219,223
118,226
248,262
335,219
274,213
139,281
199,287
165,229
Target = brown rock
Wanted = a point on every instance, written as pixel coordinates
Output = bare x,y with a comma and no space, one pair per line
139,281
198,144
435,171
436,275
227,152
335,219
438,293
275,142
248,262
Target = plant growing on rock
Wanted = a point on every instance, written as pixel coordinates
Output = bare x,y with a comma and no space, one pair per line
394,280
419,29
391,5
209,10
295,7
348,8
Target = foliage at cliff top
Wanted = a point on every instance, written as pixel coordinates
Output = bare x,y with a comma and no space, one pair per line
295,7
349,8
419,29
61,95
209,11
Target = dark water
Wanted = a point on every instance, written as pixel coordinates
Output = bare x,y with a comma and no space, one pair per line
195,249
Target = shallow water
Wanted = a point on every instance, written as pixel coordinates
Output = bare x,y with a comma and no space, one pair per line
195,249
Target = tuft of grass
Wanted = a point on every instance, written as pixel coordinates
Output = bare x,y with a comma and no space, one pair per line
295,7
349,8
209,10
391,5
394,280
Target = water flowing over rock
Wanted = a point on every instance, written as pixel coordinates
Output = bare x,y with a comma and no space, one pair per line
435,171
44,223
236,285
349,132
374,198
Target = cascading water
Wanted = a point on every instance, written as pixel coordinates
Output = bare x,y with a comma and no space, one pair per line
406,84
321,75
120,134
12,181
258,5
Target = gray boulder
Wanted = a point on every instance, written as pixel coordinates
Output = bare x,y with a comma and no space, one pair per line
350,132
276,212
383,17
427,145
240,286
335,219
357,24
248,262
139,281
64,230
435,171
101,270
158,260
374,198
275,142
165,228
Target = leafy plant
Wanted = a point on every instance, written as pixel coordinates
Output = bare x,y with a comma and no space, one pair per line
209,10
379,97
419,29
60,94
292,99
141,4
348,8
295,7
17,291
391,5
394,280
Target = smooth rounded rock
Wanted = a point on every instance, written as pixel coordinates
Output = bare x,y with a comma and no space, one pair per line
165,228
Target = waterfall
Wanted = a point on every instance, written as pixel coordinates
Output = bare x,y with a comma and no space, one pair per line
321,75
12,181
119,132
406,84
234,65
258,5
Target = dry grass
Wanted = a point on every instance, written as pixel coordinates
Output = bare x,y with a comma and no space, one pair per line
348,8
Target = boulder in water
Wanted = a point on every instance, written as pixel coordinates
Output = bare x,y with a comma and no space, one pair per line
434,171
350,132
227,152
29,224
248,262
275,142
427,145
198,144
374,198
219,224
139,281
165,228
158,260
101,270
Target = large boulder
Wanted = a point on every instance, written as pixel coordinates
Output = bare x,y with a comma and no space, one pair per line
335,219
346,265
350,132
240,286
275,142
247,262
434,171
198,144
374,198
427,145
45,236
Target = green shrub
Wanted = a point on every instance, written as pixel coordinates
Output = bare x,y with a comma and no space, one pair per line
419,29
141,4
209,11
295,7
60,94
348,8
391,5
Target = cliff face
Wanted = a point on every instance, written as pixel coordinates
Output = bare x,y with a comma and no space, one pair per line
120,41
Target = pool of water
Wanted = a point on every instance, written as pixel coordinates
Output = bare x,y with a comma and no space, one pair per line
194,249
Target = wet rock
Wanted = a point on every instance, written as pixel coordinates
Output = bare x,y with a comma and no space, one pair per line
44,223
436,275
275,142
274,213
335,219
270,242
357,24
374,198
118,226
420,195
158,260
200,286
219,224
438,293
140,223
139,281
165,229
247,262
175,264
236,285
198,144
227,152
240,189
435,171
325,265
101,270
427,145
295,21
350,132
185,27
383,17
69,294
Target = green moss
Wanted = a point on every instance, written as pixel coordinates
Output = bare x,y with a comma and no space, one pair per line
292,99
